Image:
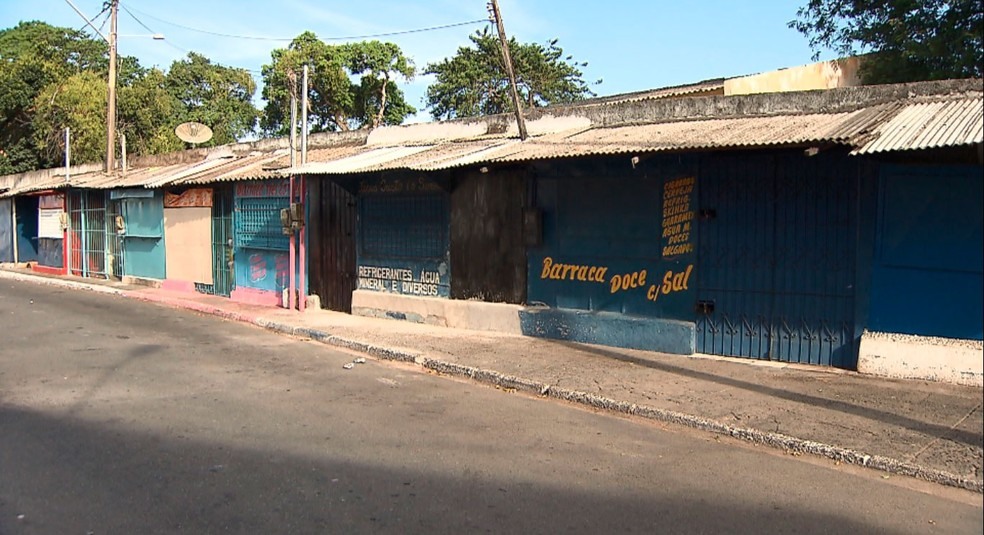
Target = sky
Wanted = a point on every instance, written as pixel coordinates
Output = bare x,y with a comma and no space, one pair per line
630,45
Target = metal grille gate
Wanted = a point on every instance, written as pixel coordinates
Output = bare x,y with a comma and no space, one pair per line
87,233
777,247
223,270
114,239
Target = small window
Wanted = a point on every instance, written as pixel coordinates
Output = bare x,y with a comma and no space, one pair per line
404,226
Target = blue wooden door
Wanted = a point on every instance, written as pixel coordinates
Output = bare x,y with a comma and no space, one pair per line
143,239
26,228
777,247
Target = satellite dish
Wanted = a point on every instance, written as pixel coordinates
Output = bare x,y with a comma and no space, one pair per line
193,133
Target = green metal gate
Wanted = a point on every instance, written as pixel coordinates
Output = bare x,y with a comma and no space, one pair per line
223,270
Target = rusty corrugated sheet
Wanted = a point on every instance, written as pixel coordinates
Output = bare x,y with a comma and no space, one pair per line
460,155
708,87
374,159
416,157
929,125
745,132
52,182
134,178
252,167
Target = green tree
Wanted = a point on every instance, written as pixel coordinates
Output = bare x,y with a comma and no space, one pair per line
79,102
52,78
335,102
910,40
34,55
217,96
148,113
377,98
474,81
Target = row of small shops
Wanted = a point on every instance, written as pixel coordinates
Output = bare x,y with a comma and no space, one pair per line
157,225
838,228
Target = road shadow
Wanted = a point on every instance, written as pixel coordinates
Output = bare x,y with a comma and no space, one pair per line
66,476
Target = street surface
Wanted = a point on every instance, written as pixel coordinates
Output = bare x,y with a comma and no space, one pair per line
122,417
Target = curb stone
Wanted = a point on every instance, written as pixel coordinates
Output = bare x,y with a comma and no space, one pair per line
61,283
774,440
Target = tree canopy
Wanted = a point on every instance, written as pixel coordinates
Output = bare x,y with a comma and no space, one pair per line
214,95
52,78
33,57
474,81
335,101
910,40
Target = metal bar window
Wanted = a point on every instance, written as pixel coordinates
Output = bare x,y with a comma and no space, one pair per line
404,226
257,222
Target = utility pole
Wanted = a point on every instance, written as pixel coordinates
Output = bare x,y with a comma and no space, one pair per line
304,115
520,122
111,100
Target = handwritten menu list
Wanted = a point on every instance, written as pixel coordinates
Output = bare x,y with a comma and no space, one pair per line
678,215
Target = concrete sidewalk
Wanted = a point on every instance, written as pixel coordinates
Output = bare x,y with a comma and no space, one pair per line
926,430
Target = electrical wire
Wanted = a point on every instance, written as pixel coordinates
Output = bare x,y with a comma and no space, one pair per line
134,17
140,22
184,51
102,25
96,17
346,38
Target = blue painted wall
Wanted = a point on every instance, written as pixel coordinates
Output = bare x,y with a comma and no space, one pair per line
261,252
623,243
927,277
403,238
51,252
6,230
26,223
617,263
262,269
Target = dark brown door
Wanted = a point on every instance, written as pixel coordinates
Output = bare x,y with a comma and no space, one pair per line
331,241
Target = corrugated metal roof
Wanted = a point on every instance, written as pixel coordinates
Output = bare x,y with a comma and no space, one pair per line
418,158
375,159
907,124
459,155
701,134
252,167
134,178
51,182
707,86
929,125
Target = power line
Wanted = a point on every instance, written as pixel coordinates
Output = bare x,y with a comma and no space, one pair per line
88,21
346,38
104,21
134,17
404,32
172,45
140,22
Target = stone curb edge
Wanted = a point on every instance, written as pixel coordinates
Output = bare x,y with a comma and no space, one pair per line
61,283
775,440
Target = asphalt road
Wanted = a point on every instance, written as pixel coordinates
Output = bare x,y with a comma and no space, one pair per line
120,417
